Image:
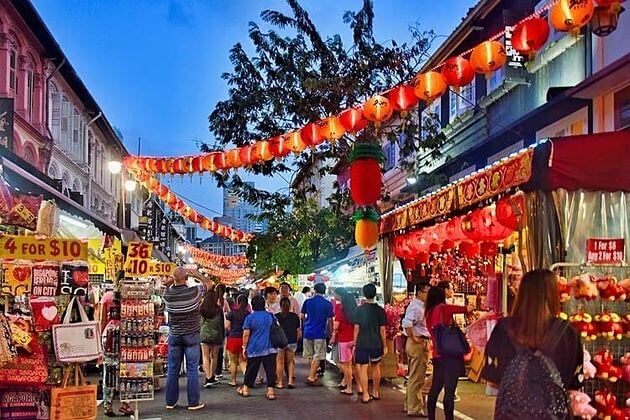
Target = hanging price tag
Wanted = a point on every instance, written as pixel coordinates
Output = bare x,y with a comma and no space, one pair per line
148,268
605,251
50,249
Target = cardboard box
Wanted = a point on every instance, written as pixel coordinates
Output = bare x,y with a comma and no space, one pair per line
476,364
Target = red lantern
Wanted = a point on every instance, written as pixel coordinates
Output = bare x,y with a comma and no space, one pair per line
530,36
234,158
168,166
409,264
207,163
129,162
178,166
447,245
262,151
454,229
488,249
179,205
482,225
422,258
429,86
401,247
488,57
457,72
245,155
332,129
434,248
160,166
161,191
169,198
571,15
353,120
510,211
197,164
403,98
219,160
277,147
294,142
417,242
366,181
469,249
311,134
377,109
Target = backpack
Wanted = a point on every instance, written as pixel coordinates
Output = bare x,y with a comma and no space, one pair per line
531,386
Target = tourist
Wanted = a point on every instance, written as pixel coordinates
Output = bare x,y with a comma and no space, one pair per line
317,312
212,335
417,347
290,323
533,324
343,335
182,305
302,295
272,303
285,292
449,290
257,348
234,347
446,369
370,342
223,303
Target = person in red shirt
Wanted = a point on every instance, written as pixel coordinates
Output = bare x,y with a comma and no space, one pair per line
343,335
446,370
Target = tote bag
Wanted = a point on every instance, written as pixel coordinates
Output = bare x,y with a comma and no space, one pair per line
449,339
77,342
74,402
276,334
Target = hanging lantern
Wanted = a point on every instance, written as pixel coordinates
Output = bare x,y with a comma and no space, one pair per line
332,129
262,151
488,249
245,154
233,158
188,167
219,160
571,15
377,109
510,211
168,166
403,98
365,173
179,166
457,72
488,57
205,223
447,245
469,249
169,198
353,120
161,191
482,225
207,163
434,248
239,236
366,228
160,166
409,265
150,164
293,142
422,258
311,134
417,241
605,17
454,230
197,164
277,148
530,36
179,205
429,86
129,161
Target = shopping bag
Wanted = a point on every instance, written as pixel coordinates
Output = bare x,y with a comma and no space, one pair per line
29,369
44,312
75,401
24,404
78,342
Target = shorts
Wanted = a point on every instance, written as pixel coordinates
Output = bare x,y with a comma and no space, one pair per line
345,352
234,344
291,347
314,349
365,356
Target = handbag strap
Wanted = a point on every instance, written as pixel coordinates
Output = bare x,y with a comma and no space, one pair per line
68,314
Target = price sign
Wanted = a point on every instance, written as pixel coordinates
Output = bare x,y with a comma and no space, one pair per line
161,269
148,268
605,251
49,249
139,250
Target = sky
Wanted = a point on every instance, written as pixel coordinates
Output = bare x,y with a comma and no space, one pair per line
154,66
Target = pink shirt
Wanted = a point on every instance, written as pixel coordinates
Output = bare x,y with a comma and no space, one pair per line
436,315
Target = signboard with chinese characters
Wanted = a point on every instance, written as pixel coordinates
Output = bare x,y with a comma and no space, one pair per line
515,62
6,123
605,250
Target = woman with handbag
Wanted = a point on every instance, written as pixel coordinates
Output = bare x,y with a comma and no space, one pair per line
448,355
258,348
212,335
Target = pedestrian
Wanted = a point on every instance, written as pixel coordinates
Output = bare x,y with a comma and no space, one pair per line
257,348
370,342
417,348
113,324
446,369
290,323
302,295
285,292
182,306
212,335
271,300
234,326
343,335
533,326
223,303
317,313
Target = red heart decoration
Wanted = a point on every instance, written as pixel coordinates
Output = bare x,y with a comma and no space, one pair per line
80,277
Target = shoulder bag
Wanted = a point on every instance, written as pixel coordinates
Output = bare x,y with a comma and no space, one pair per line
78,342
276,334
450,339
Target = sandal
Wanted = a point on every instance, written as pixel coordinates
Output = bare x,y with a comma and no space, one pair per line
279,386
232,384
368,401
375,398
344,392
271,397
240,391
291,386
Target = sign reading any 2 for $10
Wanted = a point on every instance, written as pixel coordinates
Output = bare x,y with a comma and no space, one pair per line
139,263
49,249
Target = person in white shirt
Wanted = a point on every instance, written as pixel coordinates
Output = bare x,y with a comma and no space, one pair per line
303,295
417,348
285,292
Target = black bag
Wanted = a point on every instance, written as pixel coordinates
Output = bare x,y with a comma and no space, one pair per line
450,340
531,387
276,334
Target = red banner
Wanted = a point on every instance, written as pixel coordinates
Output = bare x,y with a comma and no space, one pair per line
605,251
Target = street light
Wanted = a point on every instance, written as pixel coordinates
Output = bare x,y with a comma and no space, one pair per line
411,179
130,185
115,167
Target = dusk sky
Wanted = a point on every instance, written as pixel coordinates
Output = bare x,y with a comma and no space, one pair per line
154,66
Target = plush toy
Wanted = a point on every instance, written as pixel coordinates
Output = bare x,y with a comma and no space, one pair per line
625,283
615,373
625,366
564,289
580,406
610,290
585,287
609,325
588,367
625,323
603,361
583,323
605,403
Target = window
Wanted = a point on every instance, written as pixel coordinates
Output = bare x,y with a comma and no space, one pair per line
69,127
76,186
13,57
622,108
389,150
30,90
52,172
29,155
496,79
462,101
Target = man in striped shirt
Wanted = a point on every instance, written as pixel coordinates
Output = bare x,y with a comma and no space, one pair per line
182,305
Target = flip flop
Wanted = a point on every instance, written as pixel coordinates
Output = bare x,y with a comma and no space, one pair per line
375,398
271,397
280,386
291,386
312,383
240,391
368,401
232,384
344,392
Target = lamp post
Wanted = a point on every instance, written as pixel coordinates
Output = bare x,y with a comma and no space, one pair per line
126,185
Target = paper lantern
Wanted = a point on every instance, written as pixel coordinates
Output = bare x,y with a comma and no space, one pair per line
179,166
245,154
197,163
262,151
571,15
311,134
219,160
161,191
276,147
188,167
482,225
169,198
293,142
150,165
401,247
179,205
447,245
429,86
366,234
403,98
457,72
469,249
409,264
332,129
377,109
510,211
422,258
160,166
365,181
417,242
530,36
454,230
488,249
207,163
233,158
129,161
168,166
353,120
434,248
488,57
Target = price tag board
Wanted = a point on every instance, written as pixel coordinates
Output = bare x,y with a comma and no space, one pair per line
49,249
148,268
605,250
139,250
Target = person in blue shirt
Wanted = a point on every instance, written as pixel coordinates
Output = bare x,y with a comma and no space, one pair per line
258,349
317,312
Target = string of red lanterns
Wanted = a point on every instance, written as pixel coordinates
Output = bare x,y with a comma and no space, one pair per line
529,35
179,206
210,258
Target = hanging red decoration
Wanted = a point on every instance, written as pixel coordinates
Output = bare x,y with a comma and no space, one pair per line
510,211
277,147
409,264
365,174
262,151
422,258
353,120
530,35
488,249
469,249
378,109
488,57
482,225
332,129
429,86
178,166
294,142
571,15
311,134
233,158
417,242
196,163
403,98
447,245
434,248
457,72
219,160
245,155
454,230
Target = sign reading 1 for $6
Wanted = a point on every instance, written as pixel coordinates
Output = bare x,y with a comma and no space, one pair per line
48,249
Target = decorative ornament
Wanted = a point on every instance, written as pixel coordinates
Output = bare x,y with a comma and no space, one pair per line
403,98
571,15
353,120
457,72
378,109
332,129
366,228
429,86
262,151
311,134
488,57
530,35
365,173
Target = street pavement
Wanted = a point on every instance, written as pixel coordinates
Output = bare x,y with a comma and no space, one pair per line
303,402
